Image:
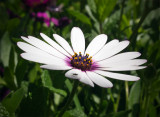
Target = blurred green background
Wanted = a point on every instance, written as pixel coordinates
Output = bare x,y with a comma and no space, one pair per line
28,91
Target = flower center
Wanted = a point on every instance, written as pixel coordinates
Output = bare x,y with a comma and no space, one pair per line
81,62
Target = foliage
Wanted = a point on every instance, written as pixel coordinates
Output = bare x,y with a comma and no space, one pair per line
35,92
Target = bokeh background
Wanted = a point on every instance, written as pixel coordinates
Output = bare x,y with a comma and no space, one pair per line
28,91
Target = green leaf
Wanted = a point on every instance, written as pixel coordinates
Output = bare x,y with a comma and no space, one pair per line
36,103
12,24
5,46
20,71
74,113
3,111
3,18
80,16
134,95
2,82
104,8
9,79
75,99
90,13
12,60
47,82
119,114
12,103
92,5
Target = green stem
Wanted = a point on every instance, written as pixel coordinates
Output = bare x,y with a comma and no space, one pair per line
127,93
121,13
76,82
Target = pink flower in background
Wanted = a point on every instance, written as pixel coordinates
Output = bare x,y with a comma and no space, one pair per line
47,20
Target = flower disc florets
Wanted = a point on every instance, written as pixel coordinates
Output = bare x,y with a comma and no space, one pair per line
81,62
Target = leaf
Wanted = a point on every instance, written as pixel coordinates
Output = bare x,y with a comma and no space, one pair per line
3,111
119,114
80,16
47,82
36,103
12,103
12,60
92,5
2,82
134,95
9,79
75,99
12,24
3,18
5,46
74,113
104,8
90,13
20,71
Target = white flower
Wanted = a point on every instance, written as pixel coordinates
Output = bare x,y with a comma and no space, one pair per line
88,66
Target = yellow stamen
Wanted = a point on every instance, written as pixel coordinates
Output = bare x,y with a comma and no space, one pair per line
77,63
75,58
79,57
84,60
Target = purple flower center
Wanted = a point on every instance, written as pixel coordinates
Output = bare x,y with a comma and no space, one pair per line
81,62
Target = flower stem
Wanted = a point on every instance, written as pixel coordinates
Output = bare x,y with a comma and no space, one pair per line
127,93
76,82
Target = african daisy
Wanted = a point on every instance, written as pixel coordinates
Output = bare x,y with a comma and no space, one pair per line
90,65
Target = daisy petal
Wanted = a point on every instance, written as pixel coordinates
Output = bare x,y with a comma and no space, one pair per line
77,40
43,46
99,80
54,44
56,67
96,44
108,47
112,51
123,68
120,57
85,79
117,76
127,62
45,59
63,43
30,49
74,74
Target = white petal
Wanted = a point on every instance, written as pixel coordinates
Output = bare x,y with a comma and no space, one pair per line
117,75
85,79
77,40
43,46
126,63
45,59
74,74
63,43
31,49
103,52
54,44
123,68
96,44
99,80
120,57
56,67
112,51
